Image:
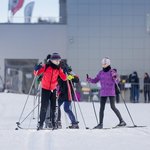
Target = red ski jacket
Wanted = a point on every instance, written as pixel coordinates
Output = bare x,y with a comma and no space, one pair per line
50,76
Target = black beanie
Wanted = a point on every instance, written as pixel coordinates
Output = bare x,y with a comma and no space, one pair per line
55,56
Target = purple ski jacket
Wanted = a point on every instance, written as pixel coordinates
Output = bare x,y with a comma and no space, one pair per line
107,81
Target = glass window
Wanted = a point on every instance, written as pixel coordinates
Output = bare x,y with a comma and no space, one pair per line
83,9
105,43
138,43
83,21
72,9
139,21
72,20
127,43
139,32
127,9
127,21
116,9
139,9
116,32
94,10
105,10
105,32
127,32
116,21
105,21
95,32
94,21
116,43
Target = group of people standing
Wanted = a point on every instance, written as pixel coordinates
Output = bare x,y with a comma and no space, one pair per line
135,87
57,81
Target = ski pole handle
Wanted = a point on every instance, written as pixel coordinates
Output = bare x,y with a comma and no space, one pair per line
87,76
40,63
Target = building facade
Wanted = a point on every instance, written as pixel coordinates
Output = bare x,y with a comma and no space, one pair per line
88,31
114,28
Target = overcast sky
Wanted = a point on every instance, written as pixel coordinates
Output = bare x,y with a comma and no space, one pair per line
42,8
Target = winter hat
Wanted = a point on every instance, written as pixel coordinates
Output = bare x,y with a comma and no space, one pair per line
105,61
55,56
48,57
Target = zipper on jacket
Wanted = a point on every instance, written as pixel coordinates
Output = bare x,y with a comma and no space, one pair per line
51,79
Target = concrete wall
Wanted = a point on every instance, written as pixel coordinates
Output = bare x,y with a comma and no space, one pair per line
112,28
31,41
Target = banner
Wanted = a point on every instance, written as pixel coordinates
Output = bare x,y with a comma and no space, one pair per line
28,12
15,5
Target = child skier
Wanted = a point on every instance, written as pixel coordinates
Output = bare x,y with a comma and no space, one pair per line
50,71
65,98
107,78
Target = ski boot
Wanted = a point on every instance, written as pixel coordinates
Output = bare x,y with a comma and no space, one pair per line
99,126
59,125
121,124
55,126
49,125
39,126
74,126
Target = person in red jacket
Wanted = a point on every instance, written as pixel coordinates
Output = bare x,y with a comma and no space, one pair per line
50,71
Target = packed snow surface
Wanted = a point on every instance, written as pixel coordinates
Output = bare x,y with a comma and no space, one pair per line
11,106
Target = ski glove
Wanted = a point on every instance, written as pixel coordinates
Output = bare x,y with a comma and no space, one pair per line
37,67
115,76
70,77
88,79
67,69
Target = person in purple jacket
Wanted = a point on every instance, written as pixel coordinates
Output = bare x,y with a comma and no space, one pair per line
107,78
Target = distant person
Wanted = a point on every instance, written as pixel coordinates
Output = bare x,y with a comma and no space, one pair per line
134,80
146,88
129,80
117,91
107,78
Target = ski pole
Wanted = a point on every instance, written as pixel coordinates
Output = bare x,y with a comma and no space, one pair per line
28,95
38,112
125,104
27,99
79,106
36,99
34,102
19,123
92,102
70,98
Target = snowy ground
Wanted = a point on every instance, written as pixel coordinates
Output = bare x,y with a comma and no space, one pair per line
64,139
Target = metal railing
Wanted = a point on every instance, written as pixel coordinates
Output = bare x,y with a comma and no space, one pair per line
34,20
131,92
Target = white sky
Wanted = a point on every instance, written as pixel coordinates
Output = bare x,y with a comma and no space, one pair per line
42,8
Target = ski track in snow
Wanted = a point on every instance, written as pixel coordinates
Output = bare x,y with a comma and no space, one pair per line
71,139
39,140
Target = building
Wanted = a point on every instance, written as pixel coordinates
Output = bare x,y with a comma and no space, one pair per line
88,31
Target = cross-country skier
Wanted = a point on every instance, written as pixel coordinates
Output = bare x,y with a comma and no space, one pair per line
107,78
64,96
51,71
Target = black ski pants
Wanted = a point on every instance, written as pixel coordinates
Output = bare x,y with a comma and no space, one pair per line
112,105
146,93
48,97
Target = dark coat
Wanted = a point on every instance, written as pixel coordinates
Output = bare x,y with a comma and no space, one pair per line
63,88
146,84
134,80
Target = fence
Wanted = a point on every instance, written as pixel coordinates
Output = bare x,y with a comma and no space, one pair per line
131,92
